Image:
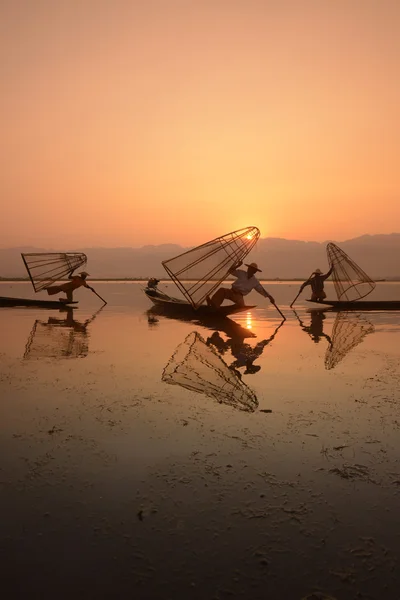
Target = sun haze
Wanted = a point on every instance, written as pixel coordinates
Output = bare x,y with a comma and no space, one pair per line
128,122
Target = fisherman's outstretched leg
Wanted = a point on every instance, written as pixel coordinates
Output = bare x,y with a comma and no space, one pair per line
54,289
225,294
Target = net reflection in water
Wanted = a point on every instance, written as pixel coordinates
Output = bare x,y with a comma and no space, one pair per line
348,331
197,367
58,338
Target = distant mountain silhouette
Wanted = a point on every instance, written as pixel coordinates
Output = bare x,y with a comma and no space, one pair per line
378,255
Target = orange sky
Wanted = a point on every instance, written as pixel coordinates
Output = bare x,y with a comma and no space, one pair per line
130,122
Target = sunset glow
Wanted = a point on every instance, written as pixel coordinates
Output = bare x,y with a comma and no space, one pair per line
128,123
249,323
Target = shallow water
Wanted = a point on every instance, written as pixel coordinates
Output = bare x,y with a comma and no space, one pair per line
136,462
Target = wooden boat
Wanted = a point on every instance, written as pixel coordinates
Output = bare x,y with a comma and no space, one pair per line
359,305
174,305
58,304
352,285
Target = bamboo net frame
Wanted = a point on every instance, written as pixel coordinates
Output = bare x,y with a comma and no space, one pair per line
46,268
350,281
199,271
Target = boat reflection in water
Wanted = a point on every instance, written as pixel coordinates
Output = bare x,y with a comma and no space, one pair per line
59,338
197,366
216,323
348,331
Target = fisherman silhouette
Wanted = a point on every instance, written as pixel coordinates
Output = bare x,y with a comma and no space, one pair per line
74,282
316,281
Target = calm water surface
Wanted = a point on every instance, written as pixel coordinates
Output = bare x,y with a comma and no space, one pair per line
250,458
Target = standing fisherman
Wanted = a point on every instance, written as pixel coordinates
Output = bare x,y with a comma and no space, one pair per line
316,281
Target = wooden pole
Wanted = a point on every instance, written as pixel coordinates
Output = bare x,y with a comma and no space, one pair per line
301,289
98,295
279,311
296,298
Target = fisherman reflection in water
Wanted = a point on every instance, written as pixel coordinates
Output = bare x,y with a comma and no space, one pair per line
244,284
316,328
244,353
75,282
316,281
218,342
245,356
71,323
59,338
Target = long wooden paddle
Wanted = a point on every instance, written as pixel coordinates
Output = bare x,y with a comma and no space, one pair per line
301,289
94,292
279,311
296,298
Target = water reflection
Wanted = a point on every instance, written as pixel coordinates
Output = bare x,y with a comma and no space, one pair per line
232,329
197,366
244,353
316,327
348,331
59,338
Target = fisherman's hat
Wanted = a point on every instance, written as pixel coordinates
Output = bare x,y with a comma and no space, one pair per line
253,266
317,272
84,273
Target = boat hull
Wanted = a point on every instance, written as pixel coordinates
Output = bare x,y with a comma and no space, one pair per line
361,305
57,304
174,305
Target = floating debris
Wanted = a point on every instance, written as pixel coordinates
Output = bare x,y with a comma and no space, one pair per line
353,472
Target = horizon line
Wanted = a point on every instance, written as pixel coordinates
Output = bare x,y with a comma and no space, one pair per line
83,247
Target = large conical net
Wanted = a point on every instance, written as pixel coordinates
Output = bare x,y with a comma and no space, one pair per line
199,271
197,367
58,338
350,281
348,331
46,268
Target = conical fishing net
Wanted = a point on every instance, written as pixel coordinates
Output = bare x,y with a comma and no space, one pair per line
197,367
348,331
351,283
46,268
198,272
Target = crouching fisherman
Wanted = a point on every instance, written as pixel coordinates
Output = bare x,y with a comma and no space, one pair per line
245,282
75,282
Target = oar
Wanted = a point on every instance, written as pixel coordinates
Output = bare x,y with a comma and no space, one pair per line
94,292
301,289
296,298
279,311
